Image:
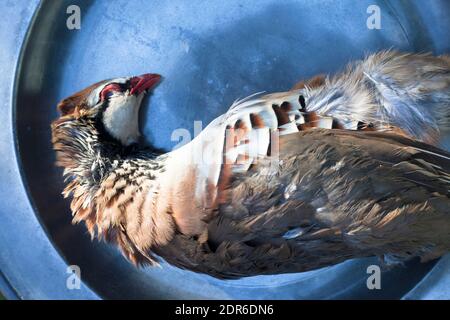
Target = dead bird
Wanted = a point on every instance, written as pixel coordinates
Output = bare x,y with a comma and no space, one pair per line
286,182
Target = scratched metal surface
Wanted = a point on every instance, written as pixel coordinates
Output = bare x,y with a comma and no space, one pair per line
210,53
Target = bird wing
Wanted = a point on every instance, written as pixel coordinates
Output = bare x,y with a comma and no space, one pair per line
231,144
332,195
249,132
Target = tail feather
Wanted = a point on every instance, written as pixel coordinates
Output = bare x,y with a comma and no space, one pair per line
403,90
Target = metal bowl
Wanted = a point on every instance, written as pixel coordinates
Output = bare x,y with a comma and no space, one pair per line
210,53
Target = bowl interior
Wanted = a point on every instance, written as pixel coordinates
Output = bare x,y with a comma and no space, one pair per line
209,54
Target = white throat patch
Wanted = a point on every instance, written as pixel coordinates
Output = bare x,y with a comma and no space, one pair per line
121,118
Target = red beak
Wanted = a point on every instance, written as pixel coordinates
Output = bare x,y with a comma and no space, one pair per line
143,82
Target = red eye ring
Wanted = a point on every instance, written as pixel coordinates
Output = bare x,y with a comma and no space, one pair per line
108,90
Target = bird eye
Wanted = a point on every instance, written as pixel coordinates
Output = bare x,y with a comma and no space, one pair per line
108,93
109,90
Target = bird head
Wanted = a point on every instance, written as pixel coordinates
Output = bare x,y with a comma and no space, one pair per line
115,103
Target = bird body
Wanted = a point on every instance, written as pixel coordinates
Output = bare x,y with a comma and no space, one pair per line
332,170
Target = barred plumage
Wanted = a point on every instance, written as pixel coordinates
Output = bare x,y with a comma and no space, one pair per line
334,169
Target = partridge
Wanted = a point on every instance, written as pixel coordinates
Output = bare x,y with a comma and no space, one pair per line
335,169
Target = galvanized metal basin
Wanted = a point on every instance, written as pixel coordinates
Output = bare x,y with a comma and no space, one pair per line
210,53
